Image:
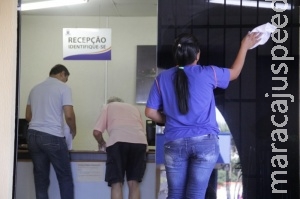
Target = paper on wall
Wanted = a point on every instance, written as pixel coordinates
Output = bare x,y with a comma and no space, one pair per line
266,30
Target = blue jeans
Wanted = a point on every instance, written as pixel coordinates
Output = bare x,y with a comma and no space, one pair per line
45,149
189,163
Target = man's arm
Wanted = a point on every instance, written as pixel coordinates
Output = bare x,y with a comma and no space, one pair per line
101,142
28,114
70,118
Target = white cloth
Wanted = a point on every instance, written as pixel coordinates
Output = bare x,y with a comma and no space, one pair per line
266,30
68,136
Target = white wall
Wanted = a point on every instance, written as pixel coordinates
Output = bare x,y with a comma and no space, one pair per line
8,43
41,48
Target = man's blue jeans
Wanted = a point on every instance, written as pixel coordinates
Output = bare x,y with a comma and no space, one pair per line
45,149
189,163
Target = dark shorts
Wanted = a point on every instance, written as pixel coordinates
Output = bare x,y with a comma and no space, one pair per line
125,159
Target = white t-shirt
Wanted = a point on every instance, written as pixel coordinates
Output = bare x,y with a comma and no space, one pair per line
47,100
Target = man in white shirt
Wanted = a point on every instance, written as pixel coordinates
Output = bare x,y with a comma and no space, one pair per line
48,103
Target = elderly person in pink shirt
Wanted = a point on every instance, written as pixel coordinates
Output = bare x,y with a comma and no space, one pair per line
126,146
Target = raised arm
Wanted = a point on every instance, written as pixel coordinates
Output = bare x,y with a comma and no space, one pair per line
248,41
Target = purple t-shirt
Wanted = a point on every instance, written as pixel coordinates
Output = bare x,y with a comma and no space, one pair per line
201,118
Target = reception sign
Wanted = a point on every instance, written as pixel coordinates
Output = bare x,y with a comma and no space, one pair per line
86,44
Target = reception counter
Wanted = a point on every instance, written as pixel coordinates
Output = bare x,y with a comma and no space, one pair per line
86,156
88,169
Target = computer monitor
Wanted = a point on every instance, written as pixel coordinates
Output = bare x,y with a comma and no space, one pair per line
150,130
22,132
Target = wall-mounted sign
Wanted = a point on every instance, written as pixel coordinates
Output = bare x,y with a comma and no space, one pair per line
86,44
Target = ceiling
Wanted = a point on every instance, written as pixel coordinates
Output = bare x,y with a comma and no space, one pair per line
124,8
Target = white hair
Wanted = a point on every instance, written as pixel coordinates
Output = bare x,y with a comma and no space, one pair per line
114,99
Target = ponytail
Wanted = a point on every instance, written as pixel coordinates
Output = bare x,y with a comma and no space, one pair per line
182,90
185,52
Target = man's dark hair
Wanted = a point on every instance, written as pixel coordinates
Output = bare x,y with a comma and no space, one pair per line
58,68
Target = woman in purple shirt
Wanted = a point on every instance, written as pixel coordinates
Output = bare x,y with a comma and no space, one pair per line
182,98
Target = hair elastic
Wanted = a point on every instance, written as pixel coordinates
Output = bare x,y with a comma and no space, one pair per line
181,67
